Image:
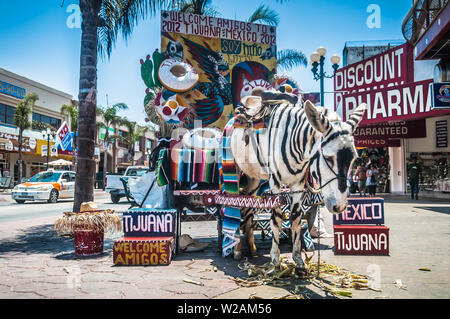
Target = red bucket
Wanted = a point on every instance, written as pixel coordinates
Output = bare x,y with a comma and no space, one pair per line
88,242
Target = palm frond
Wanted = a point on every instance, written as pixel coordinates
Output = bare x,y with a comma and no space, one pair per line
120,17
24,110
289,58
265,15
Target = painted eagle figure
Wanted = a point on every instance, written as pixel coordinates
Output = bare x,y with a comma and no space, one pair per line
218,90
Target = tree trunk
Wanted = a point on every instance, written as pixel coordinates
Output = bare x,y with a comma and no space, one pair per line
105,157
19,161
74,154
84,182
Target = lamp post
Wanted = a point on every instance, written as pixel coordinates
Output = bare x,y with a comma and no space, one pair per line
317,61
47,134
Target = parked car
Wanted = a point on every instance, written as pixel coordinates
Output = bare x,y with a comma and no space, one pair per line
114,186
48,185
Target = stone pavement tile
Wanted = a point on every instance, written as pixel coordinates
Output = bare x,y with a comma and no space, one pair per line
266,292
20,296
39,288
101,295
97,287
24,274
52,279
138,293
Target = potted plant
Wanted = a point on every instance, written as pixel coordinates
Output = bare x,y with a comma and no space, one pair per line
88,227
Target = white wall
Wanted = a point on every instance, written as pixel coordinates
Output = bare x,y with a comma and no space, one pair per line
423,69
428,144
397,173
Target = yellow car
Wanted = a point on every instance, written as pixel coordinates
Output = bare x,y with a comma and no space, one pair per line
49,185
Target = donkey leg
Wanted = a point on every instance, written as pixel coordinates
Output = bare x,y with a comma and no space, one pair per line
249,231
237,252
296,229
297,245
311,216
276,221
248,215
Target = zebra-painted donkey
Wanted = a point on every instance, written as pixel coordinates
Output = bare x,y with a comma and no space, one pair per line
297,140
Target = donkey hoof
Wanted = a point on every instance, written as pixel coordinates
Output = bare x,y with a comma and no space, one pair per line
237,255
300,271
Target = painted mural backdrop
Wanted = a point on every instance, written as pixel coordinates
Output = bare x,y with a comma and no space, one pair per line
232,59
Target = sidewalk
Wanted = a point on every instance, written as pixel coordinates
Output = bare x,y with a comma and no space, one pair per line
36,263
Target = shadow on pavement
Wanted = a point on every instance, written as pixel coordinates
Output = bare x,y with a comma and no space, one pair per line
43,239
436,209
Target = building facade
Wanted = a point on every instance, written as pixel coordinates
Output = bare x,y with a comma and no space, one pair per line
46,113
119,153
401,121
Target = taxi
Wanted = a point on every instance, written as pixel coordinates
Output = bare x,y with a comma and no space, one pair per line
46,186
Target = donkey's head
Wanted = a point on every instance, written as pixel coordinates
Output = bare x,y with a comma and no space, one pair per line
333,153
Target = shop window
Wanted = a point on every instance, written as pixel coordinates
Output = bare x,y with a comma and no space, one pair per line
434,170
121,142
52,121
7,114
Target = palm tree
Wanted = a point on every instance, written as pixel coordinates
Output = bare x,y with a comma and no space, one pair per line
110,120
264,14
71,110
201,7
22,122
102,22
289,58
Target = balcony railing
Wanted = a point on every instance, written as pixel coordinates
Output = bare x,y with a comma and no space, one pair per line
420,18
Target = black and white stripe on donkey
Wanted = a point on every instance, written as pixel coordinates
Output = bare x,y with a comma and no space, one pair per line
298,139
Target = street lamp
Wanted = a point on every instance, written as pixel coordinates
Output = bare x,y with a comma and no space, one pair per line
317,60
47,134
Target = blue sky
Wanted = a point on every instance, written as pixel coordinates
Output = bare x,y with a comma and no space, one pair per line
37,43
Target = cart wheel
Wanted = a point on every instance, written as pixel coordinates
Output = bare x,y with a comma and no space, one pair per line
115,198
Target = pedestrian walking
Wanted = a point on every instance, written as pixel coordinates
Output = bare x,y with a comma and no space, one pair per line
371,180
349,182
414,172
361,173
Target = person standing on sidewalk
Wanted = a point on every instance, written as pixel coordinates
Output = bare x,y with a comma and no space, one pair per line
371,180
361,173
414,171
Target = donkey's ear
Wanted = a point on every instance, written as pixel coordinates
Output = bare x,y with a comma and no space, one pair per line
356,116
317,119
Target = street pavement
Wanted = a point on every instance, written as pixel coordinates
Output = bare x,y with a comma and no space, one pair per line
37,263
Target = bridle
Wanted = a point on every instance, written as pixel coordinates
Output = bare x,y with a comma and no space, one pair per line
307,175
